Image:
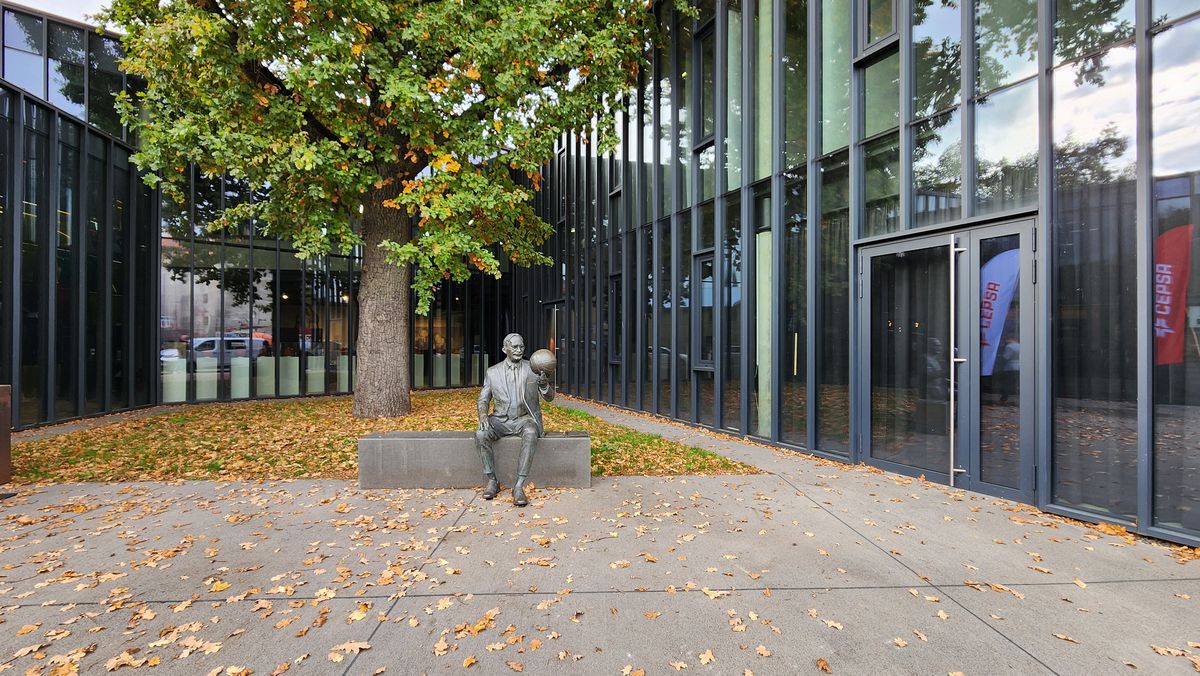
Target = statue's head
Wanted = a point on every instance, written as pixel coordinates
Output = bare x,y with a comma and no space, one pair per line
514,346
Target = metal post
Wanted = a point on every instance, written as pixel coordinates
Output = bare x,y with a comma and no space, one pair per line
5,433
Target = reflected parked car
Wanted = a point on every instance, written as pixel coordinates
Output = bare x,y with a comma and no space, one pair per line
211,348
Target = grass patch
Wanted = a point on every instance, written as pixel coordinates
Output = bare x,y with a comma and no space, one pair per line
312,438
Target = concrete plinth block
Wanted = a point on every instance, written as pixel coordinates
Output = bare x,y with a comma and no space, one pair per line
451,460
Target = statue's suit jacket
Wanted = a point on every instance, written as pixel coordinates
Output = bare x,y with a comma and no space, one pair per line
495,390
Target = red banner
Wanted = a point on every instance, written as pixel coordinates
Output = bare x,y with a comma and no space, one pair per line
1172,265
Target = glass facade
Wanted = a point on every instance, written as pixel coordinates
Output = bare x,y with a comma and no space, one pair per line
827,226
929,120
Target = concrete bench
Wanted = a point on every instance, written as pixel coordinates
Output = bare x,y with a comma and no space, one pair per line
451,460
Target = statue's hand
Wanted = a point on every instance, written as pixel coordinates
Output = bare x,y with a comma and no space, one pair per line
485,425
542,380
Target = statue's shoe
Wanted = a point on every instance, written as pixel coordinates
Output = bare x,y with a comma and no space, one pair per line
491,489
519,497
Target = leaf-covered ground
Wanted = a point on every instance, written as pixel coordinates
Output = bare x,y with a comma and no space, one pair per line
311,438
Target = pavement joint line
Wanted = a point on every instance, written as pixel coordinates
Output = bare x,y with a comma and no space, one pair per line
893,557
429,559
429,595
787,480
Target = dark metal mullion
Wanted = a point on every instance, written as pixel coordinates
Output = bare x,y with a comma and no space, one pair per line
16,260
1044,392
276,329
80,290
156,291
746,384
49,317
131,185
967,96
328,330
719,215
813,218
676,189
1145,265
855,167
903,22
106,298
223,392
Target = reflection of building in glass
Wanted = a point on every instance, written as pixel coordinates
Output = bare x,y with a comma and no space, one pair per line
796,239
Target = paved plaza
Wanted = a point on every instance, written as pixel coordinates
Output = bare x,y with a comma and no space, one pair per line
810,566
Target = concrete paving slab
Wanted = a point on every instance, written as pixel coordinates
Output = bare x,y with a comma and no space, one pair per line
590,633
1103,628
653,532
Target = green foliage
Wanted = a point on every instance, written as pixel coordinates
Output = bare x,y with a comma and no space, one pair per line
442,108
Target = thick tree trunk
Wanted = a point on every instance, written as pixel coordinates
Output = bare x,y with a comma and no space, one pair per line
384,301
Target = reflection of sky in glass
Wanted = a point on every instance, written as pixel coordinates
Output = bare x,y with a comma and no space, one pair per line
1082,112
940,28
1176,97
933,139
1083,26
1173,9
1006,124
997,49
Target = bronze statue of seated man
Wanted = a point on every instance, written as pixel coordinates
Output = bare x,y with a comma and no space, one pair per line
515,392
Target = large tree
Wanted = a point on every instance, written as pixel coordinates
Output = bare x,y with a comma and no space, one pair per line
411,127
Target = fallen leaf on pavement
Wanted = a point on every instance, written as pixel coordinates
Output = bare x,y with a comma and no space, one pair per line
706,657
1064,637
823,665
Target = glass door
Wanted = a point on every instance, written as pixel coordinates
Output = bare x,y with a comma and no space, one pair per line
946,389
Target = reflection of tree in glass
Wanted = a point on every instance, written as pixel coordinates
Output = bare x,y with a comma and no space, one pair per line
1083,28
1078,164
938,63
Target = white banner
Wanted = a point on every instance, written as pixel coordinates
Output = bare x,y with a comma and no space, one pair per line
998,282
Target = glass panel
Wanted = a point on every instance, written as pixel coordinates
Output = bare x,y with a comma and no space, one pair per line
1005,42
910,378
881,185
1000,361
879,19
1095,334
455,347
881,95
119,286
241,344
25,70
628,319
795,83
667,293
24,47
731,396
33,302
1168,10
835,74
706,228
68,57
647,325
66,372
94,262
761,401
706,397
646,160
733,95
175,316
684,109
1084,27
666,116
1006,149
708,84
937,170
23,31
707,160
207,350
263,314
794,368
1176,306
707,298
291,323
683,318
763,94
937,30
103,83
145,321
833,309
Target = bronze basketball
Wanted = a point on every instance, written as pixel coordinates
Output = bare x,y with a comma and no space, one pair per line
543,361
